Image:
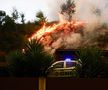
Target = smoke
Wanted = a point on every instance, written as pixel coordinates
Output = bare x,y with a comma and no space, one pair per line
89,11
53,9
94,13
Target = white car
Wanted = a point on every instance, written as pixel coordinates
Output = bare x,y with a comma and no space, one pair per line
64,68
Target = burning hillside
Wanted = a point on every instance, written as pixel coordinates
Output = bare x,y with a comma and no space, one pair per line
61,35
70,33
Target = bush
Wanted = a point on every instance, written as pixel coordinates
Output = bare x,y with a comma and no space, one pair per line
92,64
33,62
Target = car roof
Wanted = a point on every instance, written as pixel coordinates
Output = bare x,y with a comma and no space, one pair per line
62,61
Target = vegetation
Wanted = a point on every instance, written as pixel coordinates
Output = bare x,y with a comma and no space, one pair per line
41,19
33,62
68,9
22,18
10,36
92,63
15,14
13,35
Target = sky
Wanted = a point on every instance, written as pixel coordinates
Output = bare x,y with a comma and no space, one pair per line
30,7
51,8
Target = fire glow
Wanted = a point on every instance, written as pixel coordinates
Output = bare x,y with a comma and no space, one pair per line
49,34
56,27
69,33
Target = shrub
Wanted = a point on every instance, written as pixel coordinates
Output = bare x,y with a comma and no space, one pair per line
92,64
33,62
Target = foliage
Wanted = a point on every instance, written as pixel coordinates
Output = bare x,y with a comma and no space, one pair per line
33,62
2,16
16,63
92,64
39,59
30,28
15,14
68,8
41,19
11,34
22,18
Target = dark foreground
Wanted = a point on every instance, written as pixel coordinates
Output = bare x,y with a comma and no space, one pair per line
53,84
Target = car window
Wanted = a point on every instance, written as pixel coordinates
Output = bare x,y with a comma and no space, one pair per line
58,65
70,64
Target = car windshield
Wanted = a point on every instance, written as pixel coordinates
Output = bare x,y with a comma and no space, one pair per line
59,65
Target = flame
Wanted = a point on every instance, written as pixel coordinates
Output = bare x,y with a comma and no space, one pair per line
48,34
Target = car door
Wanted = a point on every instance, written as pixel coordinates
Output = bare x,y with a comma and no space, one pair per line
58,68
59,65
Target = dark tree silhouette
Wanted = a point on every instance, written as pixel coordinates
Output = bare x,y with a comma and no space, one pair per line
68,9
15,14
22,18
10,36
2,16
41,19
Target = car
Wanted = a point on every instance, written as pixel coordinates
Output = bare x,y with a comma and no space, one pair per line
64,68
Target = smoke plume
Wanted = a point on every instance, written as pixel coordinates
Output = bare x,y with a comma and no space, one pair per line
94,13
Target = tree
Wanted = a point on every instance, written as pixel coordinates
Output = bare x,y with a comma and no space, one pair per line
92,64
11,36
2,16
22,18
33,62
15,14
6,34
9,23
41,19
68,9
